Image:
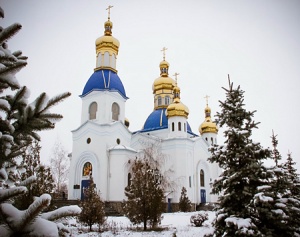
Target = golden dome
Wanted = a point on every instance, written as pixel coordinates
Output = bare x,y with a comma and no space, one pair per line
107,40
163,83
208,126
177,108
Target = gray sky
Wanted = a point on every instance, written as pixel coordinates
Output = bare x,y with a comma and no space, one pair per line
256,42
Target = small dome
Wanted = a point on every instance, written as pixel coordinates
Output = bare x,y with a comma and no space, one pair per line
208,126
104,80
177,109
164,64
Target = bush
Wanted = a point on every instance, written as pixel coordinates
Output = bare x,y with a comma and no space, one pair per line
199,218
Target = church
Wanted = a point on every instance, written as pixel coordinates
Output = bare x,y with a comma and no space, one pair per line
103,143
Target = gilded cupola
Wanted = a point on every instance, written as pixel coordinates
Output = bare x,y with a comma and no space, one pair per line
107,47
177,108
208,126
163,86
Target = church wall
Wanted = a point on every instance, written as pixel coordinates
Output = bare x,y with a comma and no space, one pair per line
94,140
118,163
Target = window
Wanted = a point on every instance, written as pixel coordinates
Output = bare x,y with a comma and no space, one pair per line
190,181
113,61
106,59
179,126
93,110
212,140
159,100
87,169
167,100
129,179
99,57
115,109
173,127
201,178
185,127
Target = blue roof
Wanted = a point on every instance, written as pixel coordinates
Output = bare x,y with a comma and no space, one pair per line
104,79
158,120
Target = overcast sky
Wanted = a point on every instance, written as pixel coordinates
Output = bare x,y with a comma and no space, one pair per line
257,42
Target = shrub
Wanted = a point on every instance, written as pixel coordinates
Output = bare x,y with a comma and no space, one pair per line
199,218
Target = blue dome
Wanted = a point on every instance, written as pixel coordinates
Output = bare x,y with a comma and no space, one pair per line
158,120
104,80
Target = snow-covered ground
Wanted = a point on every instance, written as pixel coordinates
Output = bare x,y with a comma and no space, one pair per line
173,223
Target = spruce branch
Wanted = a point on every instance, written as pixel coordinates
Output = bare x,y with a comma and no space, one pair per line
9,32
34,210
6,194
55,100
66,211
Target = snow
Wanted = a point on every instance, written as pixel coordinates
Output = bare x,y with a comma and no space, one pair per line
263,198
173,223
63,211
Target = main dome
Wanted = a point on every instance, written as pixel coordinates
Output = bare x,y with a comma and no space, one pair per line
103,80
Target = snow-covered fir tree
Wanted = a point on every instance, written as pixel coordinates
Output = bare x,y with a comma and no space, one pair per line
92,207
269,203
243,172
184,202
19,122
44,182
145,195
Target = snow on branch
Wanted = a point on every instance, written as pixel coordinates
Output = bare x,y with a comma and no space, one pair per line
62,212
11,192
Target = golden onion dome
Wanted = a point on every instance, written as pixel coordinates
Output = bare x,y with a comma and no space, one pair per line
107,40
164,81
177,108
208,126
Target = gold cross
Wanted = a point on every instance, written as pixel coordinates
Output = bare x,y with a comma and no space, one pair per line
164,52
206,97
175,75
109,7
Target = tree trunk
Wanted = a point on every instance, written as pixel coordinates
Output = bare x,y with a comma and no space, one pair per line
145,224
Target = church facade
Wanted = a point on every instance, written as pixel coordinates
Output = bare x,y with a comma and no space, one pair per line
103,143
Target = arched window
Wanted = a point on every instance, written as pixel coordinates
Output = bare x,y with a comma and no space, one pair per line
113,61
201,178
129,179
173,127
93,110
167,100
179,126
185,127
212,140
159,100
99,57
115,109
87,169
106,59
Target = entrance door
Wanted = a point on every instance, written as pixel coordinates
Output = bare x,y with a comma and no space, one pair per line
203,195
84,184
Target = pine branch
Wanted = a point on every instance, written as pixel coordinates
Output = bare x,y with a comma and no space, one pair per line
9,32
6,194
66,211
34,210
55,100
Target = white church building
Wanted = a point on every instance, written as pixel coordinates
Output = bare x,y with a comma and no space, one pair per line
103,142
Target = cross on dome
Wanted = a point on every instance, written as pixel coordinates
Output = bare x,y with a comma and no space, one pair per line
164,52
175,75
108,9
206,97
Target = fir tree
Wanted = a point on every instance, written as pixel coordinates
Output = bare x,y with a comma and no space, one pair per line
92,207
145,196
44,181
269,203
241,160
19,124
184,202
